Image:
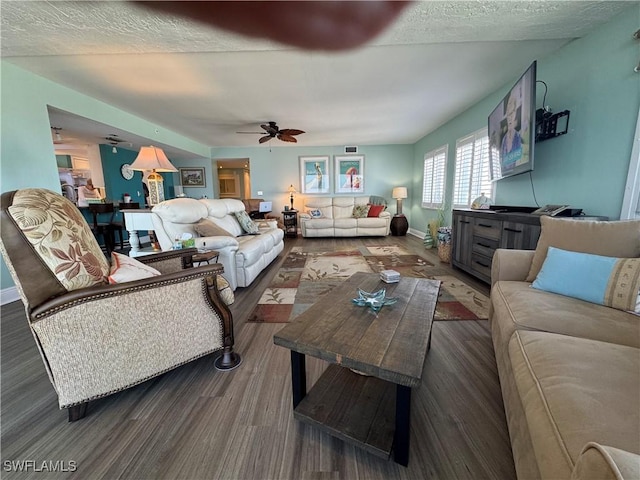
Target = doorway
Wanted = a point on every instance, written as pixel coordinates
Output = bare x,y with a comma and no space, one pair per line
234,178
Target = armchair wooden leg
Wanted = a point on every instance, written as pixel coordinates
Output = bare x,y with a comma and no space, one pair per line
228,360
78,412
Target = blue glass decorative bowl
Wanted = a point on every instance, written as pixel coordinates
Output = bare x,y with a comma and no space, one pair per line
375,301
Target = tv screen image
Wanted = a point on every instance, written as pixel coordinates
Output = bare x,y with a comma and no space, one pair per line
512,129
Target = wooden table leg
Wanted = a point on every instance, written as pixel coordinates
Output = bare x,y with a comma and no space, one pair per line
402,433
298,377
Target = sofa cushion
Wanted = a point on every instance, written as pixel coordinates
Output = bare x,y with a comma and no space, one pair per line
343,207
360,211
206,228
251,249
127,269
375,210
372,222
246,223
228,223
341,223
220,207
324,204
610,281
180,210
517,306
320,223
70,252
611,239
575,391
315,213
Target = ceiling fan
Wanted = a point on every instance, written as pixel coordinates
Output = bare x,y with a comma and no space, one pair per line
115,141
273,131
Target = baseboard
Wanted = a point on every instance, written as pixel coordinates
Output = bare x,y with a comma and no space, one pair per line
9,295
416,233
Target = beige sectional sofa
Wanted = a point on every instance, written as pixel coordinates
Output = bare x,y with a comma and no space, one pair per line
569,369
337,218
243,256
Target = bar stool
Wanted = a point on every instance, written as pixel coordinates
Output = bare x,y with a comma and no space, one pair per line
105,229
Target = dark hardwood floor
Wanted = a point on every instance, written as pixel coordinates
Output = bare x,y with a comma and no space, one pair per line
197,423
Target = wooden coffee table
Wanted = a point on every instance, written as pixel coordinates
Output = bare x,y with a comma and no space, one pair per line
390,348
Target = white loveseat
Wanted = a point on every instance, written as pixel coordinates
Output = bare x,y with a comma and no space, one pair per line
243,256
336,218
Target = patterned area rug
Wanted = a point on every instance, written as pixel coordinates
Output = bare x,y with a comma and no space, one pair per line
307,275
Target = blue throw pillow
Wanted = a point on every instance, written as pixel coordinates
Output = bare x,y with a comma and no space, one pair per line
610,281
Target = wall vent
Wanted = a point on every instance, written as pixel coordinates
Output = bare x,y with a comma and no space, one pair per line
351,149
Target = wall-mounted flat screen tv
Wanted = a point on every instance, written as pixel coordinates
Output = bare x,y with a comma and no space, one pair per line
512,129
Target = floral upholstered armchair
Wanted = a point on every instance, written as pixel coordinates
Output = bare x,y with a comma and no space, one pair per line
97,337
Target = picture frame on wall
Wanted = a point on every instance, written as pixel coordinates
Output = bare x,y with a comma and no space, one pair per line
349,173
314,174
192,177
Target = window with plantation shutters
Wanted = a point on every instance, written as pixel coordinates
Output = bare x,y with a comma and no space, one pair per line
473,169
435,170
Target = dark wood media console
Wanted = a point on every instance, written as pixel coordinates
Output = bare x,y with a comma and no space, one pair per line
478,233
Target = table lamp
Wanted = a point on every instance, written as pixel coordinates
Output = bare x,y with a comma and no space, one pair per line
399,193
153,159
292,190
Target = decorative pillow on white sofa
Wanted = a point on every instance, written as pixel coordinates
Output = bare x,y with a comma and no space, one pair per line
360,211
246,223
610,281
315,213
127,269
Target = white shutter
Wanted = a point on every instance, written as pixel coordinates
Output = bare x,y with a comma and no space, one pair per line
473,170
631,199
435,169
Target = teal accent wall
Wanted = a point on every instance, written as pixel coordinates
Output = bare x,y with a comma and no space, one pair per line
116,185
27,157
592,77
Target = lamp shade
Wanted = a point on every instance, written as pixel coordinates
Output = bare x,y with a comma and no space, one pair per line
292,189
152,158
399,192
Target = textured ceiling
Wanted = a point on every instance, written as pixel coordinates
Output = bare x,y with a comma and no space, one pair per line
436,59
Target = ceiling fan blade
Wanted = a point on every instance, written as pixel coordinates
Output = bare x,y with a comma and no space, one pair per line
270,128
253,133
265,138
291,131
286,138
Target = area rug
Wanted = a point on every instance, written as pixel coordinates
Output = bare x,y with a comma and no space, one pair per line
306,275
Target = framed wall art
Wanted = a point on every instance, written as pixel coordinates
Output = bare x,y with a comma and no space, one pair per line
349,173
192,177
314,174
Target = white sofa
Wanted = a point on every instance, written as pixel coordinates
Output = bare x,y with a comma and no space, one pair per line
337,218
243,256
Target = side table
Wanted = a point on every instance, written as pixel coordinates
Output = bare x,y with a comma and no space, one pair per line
205,256
290,220
399,225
